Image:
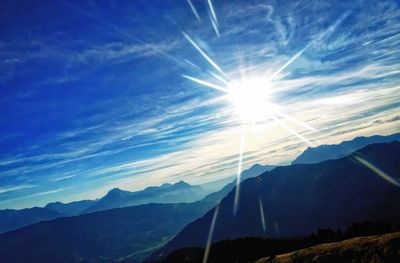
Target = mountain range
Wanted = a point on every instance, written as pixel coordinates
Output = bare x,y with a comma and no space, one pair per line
122,234
332,193
72,208
296,200
11,219
180,192
334,151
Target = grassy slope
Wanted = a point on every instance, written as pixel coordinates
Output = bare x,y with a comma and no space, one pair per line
380,248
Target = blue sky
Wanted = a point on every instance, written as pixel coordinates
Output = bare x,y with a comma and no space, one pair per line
93,94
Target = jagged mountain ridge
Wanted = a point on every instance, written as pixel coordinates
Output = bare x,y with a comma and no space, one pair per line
72,208
11,219
166,193
334,151
298,199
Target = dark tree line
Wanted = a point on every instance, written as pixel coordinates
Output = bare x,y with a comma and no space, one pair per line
250,249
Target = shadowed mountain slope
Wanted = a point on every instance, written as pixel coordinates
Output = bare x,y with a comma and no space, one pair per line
126,234
298,199
103,236
13,219
116,198
244,250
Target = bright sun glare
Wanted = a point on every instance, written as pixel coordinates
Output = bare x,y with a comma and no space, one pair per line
250,98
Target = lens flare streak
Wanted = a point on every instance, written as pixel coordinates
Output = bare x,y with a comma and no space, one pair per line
220,78
215,26
300,123
207,84
212,11
262,214
269,111
253,108
228,88
194,10
298,54
204,54
377,171
239,170
284,125
210,234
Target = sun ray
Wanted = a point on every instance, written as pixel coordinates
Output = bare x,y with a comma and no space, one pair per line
284,125
207,84
218,77
287,117
239,169
214,16
210,235
377,171
190,63
194,10
260,204
298,54
197,47
215,26
249,101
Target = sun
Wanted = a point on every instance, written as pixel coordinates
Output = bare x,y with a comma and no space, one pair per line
249,97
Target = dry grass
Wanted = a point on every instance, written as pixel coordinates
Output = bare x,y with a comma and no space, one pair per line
371,249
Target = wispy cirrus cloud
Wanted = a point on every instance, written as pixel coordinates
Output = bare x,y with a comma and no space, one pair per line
7,189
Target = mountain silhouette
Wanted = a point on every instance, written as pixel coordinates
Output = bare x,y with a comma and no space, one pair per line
180,192
101,236
166,193
126,234
244,250
72,208
378,249
11,219
296,200
256,170
334,151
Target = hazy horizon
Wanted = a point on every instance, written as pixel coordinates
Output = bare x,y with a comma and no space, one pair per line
139,189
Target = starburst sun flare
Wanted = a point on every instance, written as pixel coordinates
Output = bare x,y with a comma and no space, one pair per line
250,96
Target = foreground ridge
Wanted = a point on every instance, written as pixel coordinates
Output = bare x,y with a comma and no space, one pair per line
379,248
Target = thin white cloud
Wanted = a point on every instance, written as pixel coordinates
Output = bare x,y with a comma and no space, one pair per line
7,189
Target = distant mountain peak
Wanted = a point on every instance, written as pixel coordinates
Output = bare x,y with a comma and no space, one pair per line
334,151
116,192
166,193
166,185
181,184
53,203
